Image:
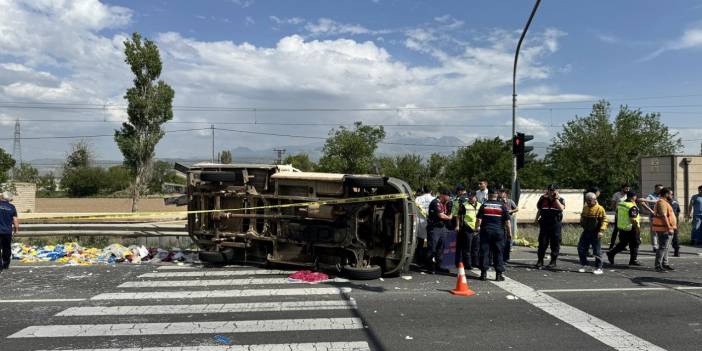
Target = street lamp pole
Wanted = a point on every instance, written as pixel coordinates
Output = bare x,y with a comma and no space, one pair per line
514,107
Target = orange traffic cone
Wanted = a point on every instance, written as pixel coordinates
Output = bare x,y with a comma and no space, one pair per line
462,288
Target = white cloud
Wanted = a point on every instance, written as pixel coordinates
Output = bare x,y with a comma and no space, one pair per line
295,72
244,3
689,39
608,38
249,21
292,20
326,26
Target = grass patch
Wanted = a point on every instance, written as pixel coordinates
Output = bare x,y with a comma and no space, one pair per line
571,234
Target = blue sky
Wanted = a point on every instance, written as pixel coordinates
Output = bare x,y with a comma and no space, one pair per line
348,54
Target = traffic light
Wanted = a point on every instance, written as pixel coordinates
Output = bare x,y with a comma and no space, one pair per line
520,149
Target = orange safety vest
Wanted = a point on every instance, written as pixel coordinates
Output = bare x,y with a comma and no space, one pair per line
658,221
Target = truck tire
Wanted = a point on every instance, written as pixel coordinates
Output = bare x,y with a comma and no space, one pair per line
365,181
216,257
366,273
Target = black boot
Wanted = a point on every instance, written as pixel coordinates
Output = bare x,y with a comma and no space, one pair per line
553,264
483,275
676,253
610,257
499,277
633,258
539,263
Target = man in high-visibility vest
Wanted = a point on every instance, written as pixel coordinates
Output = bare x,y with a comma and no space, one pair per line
664,223
628,221
467,239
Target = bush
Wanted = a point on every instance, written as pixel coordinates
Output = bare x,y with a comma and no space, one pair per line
84,181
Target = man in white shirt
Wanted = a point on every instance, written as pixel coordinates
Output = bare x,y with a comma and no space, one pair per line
422,202
482,193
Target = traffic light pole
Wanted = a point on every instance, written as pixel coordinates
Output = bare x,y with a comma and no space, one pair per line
514,109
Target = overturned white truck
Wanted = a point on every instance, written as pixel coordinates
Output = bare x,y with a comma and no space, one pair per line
363,226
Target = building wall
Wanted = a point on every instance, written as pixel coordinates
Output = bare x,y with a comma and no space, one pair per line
25,197
670,171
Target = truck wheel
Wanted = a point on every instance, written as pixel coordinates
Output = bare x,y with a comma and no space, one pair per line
216,257
366,273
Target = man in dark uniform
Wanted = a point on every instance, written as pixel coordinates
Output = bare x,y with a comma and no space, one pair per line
494,226
438,222
9,225
549,216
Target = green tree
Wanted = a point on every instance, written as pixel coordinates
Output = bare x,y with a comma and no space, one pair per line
26,173
300,161
150,105
593,150
406,167
83,181
489,159
46,185
6,164
225,157
351,151
163,172
80,155
117,178
435,174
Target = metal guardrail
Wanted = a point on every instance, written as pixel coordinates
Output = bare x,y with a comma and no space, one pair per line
102,229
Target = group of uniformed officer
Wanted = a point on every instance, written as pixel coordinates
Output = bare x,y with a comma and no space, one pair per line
482,222
482,226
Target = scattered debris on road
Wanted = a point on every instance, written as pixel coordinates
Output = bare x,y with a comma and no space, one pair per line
308,277
74,254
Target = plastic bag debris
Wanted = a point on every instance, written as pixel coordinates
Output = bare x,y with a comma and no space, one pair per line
308,277
406,277
72,253
512,297
409,337
223,339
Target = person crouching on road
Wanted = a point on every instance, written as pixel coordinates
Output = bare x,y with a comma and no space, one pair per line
664,224
549,217
438,222
628,224
9,225
494,226
467,238
594,222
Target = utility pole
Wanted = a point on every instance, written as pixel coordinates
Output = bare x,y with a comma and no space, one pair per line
213,148
17,147
279,153
514,107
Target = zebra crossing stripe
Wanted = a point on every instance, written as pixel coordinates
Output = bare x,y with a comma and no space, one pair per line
319,346
209,308
228,273
215,282
152,295
132,329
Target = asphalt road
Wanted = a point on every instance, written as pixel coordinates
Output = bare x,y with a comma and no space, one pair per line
137,307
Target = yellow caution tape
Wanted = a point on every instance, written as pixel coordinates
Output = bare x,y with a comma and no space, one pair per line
119,215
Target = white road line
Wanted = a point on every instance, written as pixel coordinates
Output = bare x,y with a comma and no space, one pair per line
209,308
601,290
176,268
41,300
688,288
214,273
215,282
604,332
218,293
320,346
129,329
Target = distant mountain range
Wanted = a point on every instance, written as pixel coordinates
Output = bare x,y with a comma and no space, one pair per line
395,145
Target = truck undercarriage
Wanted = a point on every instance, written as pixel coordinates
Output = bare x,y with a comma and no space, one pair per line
272,214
